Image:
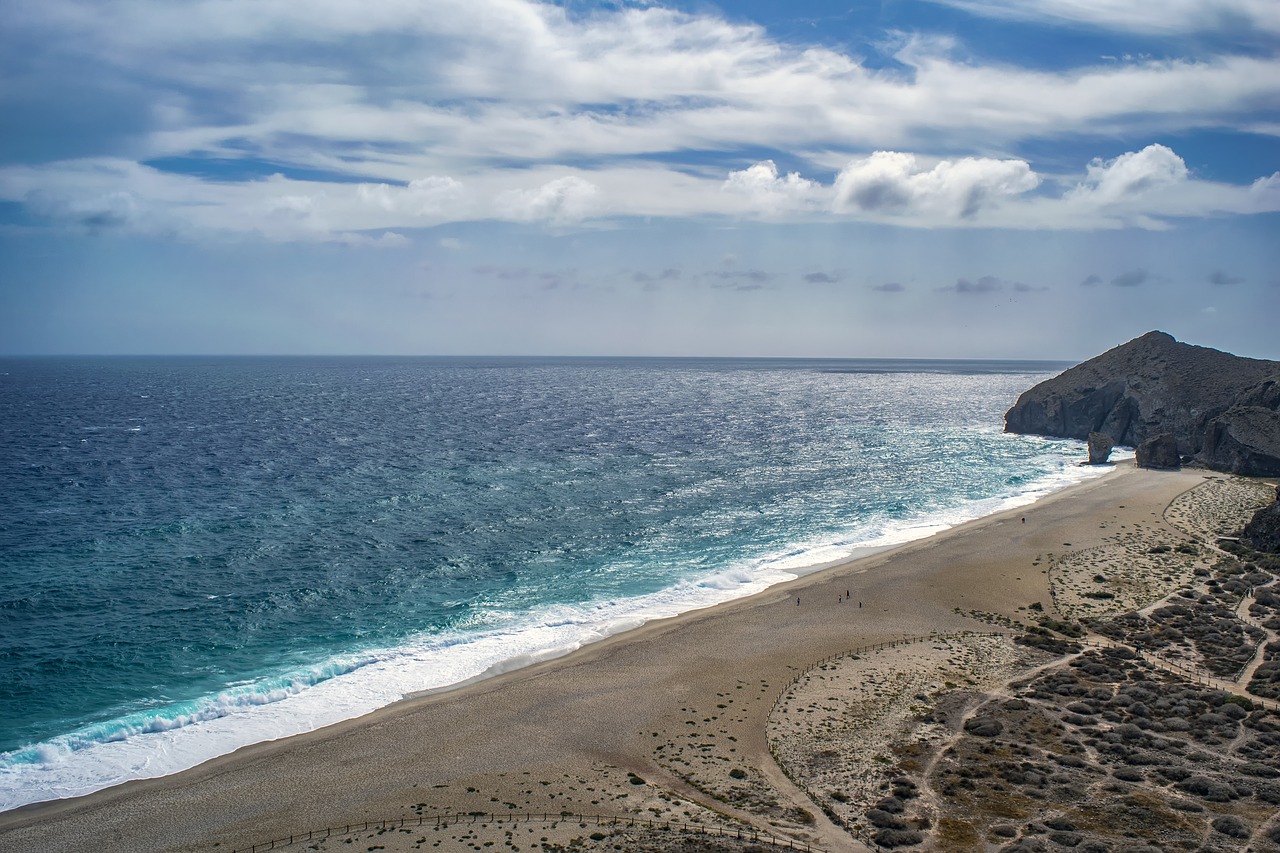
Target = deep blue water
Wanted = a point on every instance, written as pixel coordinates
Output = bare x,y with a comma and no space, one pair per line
197,553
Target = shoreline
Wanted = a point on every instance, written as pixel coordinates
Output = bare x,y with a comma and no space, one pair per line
592,707
776,571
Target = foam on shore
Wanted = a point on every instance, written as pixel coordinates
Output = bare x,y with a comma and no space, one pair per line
167,740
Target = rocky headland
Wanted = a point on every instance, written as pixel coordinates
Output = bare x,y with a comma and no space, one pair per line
1219,410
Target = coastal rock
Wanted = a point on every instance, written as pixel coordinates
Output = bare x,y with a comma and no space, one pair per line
1159,451
1155,384
1244,440
1263,531
1100,445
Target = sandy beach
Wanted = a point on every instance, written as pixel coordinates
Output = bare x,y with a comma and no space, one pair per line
697,719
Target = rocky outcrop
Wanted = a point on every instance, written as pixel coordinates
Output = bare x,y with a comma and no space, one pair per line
1263,532
1100,445
1159,451
1220,408
1244,440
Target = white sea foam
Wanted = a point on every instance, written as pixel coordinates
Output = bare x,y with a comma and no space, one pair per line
166,741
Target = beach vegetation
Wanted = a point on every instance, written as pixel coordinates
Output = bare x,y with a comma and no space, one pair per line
892,838
800,815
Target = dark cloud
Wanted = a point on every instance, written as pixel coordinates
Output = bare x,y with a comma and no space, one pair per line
103,219
1091,280
1132,278
821,278
986,284
888,287
1220,278
884,194
974,200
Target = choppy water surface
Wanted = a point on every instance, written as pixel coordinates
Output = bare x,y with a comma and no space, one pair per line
196,554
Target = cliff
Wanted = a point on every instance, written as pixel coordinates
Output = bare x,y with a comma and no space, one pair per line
1263,531
1221,409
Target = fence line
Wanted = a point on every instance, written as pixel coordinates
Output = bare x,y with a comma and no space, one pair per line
1189,672
754,835
444,821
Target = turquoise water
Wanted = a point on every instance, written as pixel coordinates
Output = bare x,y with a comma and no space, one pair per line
200,553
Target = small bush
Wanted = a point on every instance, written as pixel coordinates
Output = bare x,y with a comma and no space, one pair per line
1231,826
898,838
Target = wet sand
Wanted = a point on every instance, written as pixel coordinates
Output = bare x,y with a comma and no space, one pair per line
651,723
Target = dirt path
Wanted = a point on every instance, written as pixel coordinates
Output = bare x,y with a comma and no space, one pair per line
1259,654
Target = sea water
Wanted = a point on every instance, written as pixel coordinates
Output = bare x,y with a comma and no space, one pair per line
202,553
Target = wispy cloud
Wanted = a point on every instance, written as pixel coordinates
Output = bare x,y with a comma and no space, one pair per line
1168,17
821,278
392,118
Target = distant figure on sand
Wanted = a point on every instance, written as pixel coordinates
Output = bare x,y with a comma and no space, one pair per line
797,601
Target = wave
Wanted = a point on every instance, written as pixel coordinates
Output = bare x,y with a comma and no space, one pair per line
166,740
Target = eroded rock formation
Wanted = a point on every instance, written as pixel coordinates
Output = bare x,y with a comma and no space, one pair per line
1100,445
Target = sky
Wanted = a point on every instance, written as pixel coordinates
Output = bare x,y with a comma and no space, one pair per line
906,178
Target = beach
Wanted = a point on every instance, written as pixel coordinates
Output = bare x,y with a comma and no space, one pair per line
667,722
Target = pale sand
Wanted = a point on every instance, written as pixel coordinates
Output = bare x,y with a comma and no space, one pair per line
679,703
840,728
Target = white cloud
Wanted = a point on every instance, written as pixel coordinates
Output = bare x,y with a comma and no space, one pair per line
891,182
1132,174
1149,187
563,201
428,196
767,193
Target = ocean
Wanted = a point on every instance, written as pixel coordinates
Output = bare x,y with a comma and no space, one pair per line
202,553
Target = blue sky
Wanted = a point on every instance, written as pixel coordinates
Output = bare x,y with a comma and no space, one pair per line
955,178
